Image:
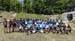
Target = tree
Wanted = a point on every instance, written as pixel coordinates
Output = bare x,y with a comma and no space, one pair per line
38,6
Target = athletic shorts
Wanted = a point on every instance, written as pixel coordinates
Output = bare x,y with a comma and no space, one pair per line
5,26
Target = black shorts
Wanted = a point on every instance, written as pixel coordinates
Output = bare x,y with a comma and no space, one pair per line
5,26
14,25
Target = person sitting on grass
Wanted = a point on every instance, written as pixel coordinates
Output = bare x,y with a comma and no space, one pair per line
24,23
41,28
21,25
68,29
29,26
5,23
20,28
50,23
45,26
62,27
37,25
57,26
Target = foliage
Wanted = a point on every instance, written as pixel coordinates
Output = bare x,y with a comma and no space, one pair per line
38,6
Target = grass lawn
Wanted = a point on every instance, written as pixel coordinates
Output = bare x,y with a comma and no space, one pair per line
17,36
27,15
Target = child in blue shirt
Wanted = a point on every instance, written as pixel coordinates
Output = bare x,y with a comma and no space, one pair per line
5,24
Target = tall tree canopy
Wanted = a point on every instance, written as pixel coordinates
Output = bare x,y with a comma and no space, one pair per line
38,6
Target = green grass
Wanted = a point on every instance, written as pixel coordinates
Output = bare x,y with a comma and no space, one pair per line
27,15
17,36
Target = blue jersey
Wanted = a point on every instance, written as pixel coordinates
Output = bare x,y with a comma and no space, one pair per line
29,23
61,24
50,23
38,23
43,25
54,24
22,23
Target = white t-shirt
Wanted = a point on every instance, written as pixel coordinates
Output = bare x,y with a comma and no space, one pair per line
20,27
57,23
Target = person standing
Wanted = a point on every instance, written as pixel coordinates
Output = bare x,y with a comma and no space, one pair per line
10,26
5,24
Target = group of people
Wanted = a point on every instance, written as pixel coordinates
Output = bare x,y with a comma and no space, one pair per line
36,26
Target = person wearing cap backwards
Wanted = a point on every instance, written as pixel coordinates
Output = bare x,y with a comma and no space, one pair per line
5,24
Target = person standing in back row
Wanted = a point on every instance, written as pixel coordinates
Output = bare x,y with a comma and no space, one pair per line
5,24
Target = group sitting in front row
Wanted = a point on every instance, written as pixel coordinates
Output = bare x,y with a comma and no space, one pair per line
37,25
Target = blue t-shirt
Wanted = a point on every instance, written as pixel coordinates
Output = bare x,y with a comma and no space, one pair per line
5,23
38,23
43,25
50,23
61,24
29,23
21,23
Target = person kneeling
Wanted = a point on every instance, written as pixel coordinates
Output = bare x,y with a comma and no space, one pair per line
20,28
